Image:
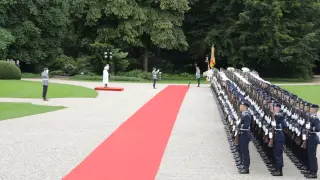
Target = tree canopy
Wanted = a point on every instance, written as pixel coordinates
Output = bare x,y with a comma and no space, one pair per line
276,38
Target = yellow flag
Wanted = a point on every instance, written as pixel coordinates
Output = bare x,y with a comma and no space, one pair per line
213,59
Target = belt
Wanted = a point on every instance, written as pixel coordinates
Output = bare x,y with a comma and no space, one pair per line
313,132
45,79
278,129
244,129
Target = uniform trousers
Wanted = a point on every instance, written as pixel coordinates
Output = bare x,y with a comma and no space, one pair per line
312,152
244,139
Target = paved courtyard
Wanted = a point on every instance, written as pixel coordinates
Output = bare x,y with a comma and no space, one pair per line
48,146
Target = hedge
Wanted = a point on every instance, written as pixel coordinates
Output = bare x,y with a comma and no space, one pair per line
9,71
99,78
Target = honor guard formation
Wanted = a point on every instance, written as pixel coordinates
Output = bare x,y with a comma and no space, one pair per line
274,119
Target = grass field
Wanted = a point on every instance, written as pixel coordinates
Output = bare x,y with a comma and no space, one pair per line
29,89
10,110
168,82
308,93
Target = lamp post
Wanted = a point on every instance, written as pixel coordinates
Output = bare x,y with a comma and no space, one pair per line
108,56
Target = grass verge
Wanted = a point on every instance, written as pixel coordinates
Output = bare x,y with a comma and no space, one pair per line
308,93
11,110
29,89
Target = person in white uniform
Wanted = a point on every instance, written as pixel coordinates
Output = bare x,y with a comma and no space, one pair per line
106,75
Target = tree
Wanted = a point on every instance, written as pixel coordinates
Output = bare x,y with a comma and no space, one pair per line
277,38
141,23
6,39
38,27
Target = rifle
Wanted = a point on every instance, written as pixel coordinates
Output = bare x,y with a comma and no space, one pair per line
266,138
236,139
304,143
273,128
297,111
298,139
286,131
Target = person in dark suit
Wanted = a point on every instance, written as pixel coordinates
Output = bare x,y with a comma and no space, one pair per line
45,83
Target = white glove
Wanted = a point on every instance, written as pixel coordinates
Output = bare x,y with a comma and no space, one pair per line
260,124
233,128
236,133
270,135
308,125
266,132
290,126
273,123
238,122
287,123
298,134
231,123
304,137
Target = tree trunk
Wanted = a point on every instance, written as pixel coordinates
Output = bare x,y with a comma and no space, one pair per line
145,59
113,67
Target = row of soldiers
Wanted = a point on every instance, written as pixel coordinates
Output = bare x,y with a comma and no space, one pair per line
273,116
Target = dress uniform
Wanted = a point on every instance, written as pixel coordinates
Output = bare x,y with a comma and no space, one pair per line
279,140
312,142
244,137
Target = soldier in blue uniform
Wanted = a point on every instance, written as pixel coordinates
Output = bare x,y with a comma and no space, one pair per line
312,142
244,137
279,139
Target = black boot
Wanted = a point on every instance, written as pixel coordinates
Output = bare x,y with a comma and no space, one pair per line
277,173
312,175
244,171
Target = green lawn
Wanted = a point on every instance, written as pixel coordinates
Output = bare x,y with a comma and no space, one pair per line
29,89
167,81
15,110
308,93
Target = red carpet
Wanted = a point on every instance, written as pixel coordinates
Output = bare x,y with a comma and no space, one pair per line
134,151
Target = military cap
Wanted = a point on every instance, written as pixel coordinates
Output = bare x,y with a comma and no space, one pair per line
246,103
314,106
276,104
293,96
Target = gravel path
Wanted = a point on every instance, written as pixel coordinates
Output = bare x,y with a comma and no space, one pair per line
198,148
47,146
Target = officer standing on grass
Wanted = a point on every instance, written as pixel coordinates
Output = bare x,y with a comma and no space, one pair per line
244,136
45,83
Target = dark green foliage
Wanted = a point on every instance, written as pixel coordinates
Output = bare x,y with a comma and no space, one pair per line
9,71
112,78
276,38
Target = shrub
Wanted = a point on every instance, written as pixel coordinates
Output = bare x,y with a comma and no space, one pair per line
65,64
99,78
30,75
165,76
182,76
57,73
9,71
137,74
